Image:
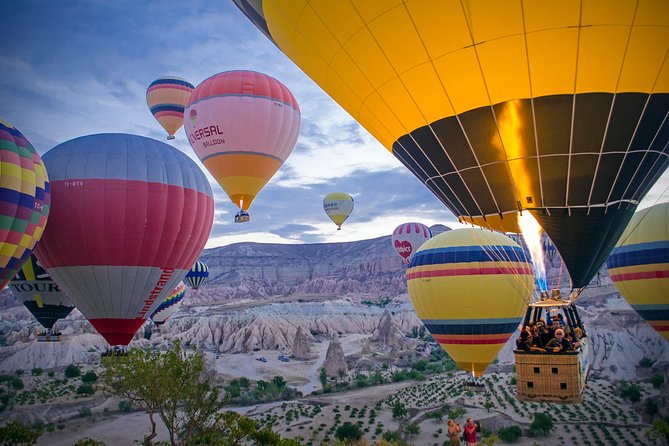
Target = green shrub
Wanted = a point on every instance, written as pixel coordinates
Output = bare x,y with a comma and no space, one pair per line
37,371
89,377
646,362
72,371
89,442
657,380
125,406
510,434
348,432
85,389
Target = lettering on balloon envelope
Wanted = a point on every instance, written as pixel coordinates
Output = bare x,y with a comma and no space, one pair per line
403,248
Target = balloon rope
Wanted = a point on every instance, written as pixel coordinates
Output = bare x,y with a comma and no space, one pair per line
496,252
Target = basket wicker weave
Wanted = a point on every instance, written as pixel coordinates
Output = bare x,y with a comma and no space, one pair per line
551,377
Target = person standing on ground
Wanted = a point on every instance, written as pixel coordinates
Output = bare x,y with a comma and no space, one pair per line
470,432
454,432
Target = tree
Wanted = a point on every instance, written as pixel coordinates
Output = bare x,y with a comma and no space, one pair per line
657,380
323,377
89,377
37,371
646,362
490,440
15,433
488,405
542,423
279,382
172,384
412,429
348,432
436,415
510,434
631,391
72,371
85,389
244,382
651,407
660,431
399,411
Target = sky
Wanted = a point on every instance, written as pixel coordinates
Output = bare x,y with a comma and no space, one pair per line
75,68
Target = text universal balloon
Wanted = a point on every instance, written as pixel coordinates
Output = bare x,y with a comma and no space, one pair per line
131,215
639,266
556,107
470,287
25,199
242,125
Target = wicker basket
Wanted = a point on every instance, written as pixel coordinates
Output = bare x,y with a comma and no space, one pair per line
550,377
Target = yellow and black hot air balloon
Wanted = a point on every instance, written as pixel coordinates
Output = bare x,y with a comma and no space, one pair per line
470,287
498,106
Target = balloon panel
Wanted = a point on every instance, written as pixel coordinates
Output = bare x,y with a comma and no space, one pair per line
557,108
197,275
40,293
470,288
133,214
242,125
166,98
639,266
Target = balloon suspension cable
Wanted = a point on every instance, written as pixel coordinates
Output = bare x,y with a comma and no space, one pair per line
497,253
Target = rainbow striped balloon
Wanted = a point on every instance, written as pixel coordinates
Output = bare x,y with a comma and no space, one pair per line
25,199
639,266
167,97
470,287
170,305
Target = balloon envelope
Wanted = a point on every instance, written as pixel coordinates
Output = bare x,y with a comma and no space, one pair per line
338,206
40,293
170,305
242,125
408,237
25,199
470,287
197,275
639,266
167,97
131,216
558,108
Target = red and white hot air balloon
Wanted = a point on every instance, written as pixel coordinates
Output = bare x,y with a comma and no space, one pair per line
130,215
408,237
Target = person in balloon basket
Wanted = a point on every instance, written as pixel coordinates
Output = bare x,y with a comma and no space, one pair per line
524,341
454,430
558,343
470,432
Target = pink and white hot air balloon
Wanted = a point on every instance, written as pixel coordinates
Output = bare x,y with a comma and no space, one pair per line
408,237
130,215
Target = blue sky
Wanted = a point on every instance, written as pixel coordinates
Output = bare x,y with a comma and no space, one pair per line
74,68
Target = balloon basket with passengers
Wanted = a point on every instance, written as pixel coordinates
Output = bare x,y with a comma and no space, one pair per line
558,377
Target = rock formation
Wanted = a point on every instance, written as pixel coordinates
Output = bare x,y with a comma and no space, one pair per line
388,333
301,345
335,361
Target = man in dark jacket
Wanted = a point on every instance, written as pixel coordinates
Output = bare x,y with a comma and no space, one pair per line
558,343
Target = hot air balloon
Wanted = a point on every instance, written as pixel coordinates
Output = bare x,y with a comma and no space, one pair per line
170,305
639,268
243,126
470,287
131,216
25,198
549,248
557,108
40,294
166,97
197,275
338,206
408,237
